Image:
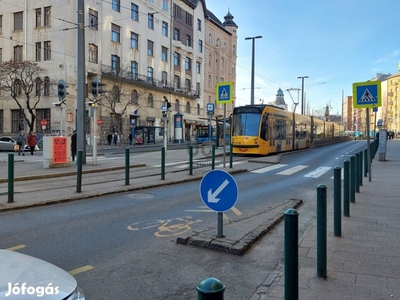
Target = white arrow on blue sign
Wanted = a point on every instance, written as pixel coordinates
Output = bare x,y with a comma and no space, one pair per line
218,190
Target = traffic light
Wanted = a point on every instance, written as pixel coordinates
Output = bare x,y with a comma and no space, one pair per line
62,89
95,87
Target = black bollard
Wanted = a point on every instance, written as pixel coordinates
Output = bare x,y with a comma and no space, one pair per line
352,179
291,254
10,177
163,163
321,231
127,165
346,190
210,289
190,160
337,201
230,155
213,157
360,174
356,177
79,171
365,162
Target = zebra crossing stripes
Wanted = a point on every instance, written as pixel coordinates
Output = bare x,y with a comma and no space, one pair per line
293,170
269,168
318,172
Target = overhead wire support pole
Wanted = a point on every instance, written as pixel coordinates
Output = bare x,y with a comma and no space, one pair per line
252,66
302,92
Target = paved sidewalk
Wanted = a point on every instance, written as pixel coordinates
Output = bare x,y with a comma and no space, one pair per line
365,262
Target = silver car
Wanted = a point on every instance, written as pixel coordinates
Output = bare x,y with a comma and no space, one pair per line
7,143
25,277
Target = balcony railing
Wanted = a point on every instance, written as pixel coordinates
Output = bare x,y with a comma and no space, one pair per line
151,82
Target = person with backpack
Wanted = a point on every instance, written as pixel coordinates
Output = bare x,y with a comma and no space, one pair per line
21,142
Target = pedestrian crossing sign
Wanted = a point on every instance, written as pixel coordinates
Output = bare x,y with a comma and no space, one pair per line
367,94
224,93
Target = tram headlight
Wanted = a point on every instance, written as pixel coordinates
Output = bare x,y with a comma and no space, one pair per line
256,141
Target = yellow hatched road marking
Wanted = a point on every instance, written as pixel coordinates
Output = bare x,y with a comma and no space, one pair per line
16,247
236,211
81,270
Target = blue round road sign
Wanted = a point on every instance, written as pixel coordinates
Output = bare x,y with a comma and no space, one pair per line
219,190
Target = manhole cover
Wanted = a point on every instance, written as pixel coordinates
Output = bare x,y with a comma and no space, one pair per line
140,196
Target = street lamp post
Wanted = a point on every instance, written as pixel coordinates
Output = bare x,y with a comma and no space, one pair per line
302,93
252,66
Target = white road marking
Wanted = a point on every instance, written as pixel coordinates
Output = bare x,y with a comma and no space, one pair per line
292,170
269,168
318,172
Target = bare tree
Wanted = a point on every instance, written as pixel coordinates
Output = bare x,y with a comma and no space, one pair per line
20,79
119,93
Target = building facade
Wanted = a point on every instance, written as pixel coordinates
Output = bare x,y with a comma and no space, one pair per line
150,54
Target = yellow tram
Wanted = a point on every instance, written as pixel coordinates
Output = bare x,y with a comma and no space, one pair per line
265,129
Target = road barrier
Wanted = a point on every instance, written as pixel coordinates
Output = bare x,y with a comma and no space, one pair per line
337,202
321,231
127,165
210,289
79,171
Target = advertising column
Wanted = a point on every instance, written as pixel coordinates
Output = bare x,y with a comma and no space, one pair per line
178,130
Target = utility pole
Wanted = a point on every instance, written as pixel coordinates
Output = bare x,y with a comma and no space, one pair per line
81,82
302,92
252,66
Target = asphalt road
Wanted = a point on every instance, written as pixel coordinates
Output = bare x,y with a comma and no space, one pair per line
123,246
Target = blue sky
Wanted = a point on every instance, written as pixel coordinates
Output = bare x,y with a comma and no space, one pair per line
335,43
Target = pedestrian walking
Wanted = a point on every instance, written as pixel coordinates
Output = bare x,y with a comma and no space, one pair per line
21,142
32,141
109,138
115,139
73,145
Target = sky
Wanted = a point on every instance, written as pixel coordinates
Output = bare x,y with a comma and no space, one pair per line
334,43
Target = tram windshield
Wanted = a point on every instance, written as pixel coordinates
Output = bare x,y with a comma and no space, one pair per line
246,124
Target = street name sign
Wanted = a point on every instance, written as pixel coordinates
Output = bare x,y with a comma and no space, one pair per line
224,93
218,190
367,94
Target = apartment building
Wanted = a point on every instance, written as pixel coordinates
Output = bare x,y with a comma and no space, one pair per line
146,52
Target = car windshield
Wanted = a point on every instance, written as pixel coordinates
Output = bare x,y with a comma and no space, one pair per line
246,124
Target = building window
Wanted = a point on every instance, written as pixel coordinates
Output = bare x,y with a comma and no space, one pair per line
198,67
18,21
188,85
17,88
200,46
218,43
150,45
47,16
47,50
198,88
115,63
210,38
209,81
177,34
164,78
134,40
188,40
164,28
198,108
134,97
38,17
46,88
93,19
38,85
198,24
209,60
38,51
116,92
1,55
188,107
165,5
134,12
43,114
18,50
149,72
93,53
17,120
1,24
116,5
115,30
150,21
234,50
189,19
164,54
177,105
176,59
187,63
150,100
134,69
177,82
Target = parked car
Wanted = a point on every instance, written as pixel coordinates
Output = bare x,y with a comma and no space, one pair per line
25,277
7,143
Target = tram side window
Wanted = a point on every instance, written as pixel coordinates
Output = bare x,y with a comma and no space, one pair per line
264,128
280,129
